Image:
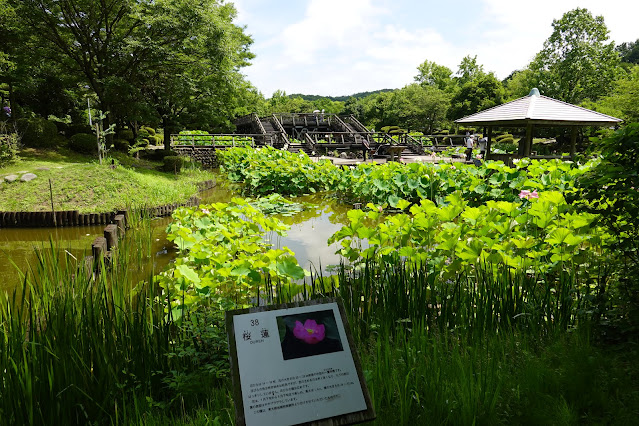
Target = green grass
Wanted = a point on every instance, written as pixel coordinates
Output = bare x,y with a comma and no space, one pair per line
80,183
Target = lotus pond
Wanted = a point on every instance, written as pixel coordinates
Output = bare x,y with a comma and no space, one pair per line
476,295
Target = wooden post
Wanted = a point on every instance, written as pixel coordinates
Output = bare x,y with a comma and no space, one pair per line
55,224
119,223
573,142
488,145
528,142
98,250
111,236
125,213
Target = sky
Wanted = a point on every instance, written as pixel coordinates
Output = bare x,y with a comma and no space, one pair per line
343,47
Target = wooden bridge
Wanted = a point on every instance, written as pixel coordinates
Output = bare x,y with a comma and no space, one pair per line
317,134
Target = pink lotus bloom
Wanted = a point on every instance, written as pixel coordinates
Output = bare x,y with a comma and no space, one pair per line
205,211
527,194
311,332
479,156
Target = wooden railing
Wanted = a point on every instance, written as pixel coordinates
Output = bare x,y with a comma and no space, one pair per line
222,139
278,126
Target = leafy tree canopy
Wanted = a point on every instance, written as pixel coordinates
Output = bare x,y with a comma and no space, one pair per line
469,69
476,95
432,74
629,52
576,62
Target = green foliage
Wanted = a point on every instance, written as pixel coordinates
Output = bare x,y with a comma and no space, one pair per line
577,61
8,148
477,94
74,129
543,236
223,259
508,140
610,189
629,52
126,134
84,143
150,131
121,145
416,181
172,163
501,137
269,170
469,70
432,74
37,132
507,146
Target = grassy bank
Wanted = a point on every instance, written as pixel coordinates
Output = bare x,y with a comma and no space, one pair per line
80,183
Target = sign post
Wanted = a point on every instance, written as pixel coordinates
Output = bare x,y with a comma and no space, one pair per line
296,363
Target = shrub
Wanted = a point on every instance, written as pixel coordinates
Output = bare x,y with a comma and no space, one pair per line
506,140
509,148
83,143
8,147
442,132
156,139
37,132
172,163
156,154
389,129
143,133
126,134
121,145
463,130
149,130
503,136
74,129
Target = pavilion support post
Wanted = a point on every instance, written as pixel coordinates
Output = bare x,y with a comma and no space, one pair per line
490,141
528,142
573,142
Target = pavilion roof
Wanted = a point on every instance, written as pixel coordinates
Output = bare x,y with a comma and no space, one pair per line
539,110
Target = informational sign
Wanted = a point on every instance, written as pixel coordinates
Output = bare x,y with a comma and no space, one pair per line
296,363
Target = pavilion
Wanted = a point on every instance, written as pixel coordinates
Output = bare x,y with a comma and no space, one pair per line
536,110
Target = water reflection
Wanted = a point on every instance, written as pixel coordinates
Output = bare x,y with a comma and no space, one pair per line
309,232
307,237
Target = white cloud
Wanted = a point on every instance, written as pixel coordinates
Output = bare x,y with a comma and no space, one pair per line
337,47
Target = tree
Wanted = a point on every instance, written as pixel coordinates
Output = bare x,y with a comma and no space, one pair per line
519,83
629,52
191,72
432,74
623,102
164,60
418,107
469,69
576,63
98,41
476,95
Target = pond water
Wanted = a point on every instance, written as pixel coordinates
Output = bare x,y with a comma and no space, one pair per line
307,237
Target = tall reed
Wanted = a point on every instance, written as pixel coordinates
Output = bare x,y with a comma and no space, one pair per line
78,347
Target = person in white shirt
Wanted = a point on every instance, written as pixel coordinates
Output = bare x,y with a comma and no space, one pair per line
470,144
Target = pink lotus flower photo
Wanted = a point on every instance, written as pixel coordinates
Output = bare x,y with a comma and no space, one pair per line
311,332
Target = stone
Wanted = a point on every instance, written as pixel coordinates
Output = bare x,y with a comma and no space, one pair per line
28,177
42,168
343,155
11,178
